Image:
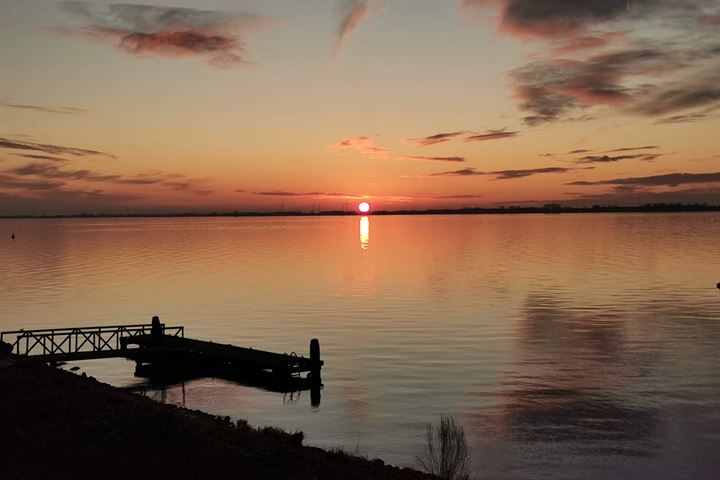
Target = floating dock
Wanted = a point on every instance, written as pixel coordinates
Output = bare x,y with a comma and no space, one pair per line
162,354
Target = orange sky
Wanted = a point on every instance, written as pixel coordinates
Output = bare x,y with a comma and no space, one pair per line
225,105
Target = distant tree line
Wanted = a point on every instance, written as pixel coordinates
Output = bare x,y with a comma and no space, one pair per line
511,209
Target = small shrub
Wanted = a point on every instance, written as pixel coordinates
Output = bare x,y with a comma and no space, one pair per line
446,452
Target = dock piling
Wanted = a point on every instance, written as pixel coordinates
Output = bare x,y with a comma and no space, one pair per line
156,328
315,359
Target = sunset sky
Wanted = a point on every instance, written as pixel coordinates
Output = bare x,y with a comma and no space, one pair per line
189,105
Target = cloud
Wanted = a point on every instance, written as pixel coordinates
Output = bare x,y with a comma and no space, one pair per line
437,159
54,172
548,18
632,149
669,180
41,157
710,20
607,53
217,37
548,90
462,196
532,19
587,42
648,157
511,174
501,174
354,12
13,182
58,201
700,89
281,193
364,145
465,172
54,176
491,135
367,146
435,139
633,195
11,144
40,108
685,118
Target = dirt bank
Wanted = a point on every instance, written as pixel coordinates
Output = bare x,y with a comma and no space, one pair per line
54,424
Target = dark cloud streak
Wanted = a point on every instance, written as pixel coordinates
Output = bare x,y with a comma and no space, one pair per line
669,180
501,174
49,148
436,159
40,108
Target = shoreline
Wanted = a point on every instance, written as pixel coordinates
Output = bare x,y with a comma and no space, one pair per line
503,210
56,424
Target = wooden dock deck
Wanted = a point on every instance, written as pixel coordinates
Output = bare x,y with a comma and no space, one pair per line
163,354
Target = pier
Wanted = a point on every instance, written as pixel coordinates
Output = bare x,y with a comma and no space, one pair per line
163,355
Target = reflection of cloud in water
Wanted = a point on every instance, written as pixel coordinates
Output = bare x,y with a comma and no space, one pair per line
550,324
595,423
569,386
631,378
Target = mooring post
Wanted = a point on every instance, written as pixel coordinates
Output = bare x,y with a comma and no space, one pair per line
315,381
315,359
156,328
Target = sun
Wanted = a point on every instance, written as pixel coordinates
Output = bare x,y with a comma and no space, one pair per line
364,207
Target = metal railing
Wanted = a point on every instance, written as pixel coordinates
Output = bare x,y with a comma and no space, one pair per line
66,341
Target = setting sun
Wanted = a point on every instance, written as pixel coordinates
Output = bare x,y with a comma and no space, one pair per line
364,207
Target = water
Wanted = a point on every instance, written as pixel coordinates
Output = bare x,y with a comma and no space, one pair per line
569,346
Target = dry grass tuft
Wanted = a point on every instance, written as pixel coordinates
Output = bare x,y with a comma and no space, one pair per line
446,452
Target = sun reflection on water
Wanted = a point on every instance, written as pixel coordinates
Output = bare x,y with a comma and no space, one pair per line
364,232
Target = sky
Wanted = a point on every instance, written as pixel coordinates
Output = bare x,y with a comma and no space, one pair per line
222,105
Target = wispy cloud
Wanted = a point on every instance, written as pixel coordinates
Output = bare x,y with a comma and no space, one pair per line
436,138
50,175
65,200
491,135
669,180
362,144
458,197
41,157
685,118
11,144
367,146
632,149
435,159
218,37
354,12
45,109
501,174
512,174
648,157
463,172
282,193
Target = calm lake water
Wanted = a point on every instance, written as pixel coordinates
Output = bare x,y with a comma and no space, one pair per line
569,346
